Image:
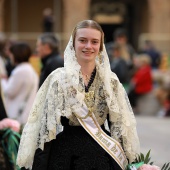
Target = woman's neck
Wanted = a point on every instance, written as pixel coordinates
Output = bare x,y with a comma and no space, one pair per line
87,69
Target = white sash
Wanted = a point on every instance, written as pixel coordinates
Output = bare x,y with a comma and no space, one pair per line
111,146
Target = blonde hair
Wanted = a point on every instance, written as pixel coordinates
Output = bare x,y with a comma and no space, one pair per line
144,59
89,24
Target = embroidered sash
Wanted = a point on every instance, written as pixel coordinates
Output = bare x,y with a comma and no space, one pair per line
112,147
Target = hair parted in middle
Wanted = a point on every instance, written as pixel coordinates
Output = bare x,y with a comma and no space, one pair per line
89,24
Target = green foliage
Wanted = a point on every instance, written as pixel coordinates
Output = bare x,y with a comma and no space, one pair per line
10,143
142,158
146,159
166,166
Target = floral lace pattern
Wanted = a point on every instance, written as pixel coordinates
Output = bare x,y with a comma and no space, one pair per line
62,94
99,105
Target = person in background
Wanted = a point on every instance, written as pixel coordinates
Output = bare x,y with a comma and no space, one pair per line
48,50
2,67
162,93
141,82
3,70
72,110
153,53
20,88
119,65
48,20
167,105
8,63
127,51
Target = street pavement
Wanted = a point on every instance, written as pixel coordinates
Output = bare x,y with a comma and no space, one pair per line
154,134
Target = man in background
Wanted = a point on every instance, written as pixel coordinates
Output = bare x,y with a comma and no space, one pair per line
48,51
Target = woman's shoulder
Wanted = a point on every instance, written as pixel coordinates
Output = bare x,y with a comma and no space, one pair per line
53,80
114,77
58,72
56,75
23,69
115,83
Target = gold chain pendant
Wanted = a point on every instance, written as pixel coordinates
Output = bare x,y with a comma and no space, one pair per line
89,100
87,77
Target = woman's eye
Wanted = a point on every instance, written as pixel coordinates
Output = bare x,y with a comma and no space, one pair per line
95,42
82,40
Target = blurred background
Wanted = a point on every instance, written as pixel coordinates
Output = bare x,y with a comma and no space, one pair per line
143,20
146,27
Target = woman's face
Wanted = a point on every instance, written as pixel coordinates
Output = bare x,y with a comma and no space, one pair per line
87,44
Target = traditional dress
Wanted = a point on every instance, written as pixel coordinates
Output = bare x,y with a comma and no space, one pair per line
59,106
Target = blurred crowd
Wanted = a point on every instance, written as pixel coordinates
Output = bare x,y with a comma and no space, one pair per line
142,73
139,71
20,81
147,85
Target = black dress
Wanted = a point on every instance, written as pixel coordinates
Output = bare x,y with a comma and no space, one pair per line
73,149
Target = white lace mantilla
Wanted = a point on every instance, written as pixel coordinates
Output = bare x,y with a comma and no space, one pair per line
60,96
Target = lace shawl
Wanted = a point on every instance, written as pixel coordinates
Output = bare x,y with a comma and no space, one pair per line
60,96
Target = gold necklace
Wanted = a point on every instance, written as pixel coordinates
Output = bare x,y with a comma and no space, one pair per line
87,77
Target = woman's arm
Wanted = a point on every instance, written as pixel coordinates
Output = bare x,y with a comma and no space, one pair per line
12,86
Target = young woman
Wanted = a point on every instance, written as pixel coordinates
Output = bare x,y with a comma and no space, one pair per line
73,108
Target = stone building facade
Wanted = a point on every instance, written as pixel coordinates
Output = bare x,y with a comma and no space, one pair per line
146,19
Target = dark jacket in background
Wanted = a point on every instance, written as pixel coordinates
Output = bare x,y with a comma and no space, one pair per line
155,57
120,68
50,63
9,66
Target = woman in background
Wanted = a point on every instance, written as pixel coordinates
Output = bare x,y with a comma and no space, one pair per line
21,87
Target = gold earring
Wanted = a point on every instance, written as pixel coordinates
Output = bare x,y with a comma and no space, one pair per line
100,58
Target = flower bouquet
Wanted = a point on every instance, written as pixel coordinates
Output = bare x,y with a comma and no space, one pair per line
143,163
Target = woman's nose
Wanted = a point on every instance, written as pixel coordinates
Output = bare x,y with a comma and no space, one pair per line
88,44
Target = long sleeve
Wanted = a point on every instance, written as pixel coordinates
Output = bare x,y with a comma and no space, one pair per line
12,86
